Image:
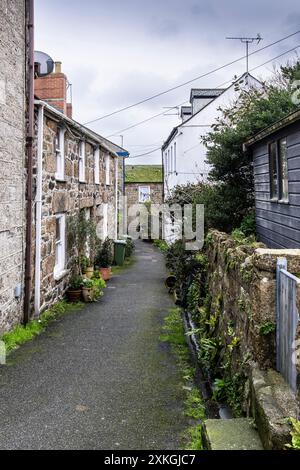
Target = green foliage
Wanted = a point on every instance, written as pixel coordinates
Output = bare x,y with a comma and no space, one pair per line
161,244
267,328
21,334
130,247
193,436
81,233
248,225
98,286
295,433
104,256
194,406
76,282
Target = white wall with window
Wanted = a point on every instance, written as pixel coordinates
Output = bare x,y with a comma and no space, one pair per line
82,162
60,245
107,170
60,153
144,194
97,165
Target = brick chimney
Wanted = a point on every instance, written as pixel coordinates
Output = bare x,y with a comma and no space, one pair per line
53,90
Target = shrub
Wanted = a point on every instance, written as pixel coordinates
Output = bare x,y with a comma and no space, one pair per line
104,257
130,247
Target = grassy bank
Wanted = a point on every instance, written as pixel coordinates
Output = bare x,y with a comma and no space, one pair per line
194,408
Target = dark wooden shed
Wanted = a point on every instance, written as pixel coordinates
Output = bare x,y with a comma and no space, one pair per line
276,162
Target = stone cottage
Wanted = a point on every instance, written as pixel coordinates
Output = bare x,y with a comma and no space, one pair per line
143,183
74,171
12,160
143,186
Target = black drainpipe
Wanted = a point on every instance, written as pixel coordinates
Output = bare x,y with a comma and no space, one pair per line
29,12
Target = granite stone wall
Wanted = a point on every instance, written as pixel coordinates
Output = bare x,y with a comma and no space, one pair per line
12,160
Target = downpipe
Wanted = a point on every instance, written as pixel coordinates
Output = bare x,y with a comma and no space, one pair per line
38,212
29,12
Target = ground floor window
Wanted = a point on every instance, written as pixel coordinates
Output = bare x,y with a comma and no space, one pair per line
60,244
278,165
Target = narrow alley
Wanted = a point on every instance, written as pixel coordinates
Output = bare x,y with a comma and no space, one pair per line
100,378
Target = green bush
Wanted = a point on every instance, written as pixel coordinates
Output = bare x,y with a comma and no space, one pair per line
104,256
130,247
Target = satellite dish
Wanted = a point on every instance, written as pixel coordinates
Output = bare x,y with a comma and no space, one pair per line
43,64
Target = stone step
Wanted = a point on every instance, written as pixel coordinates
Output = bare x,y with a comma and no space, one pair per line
230,434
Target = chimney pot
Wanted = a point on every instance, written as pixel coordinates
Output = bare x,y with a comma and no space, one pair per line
57,67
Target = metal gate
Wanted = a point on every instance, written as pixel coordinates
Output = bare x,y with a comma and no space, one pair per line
287,322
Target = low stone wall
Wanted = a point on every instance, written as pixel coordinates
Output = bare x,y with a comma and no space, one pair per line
241,282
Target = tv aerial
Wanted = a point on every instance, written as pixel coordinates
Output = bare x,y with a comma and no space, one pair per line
247,41
43,64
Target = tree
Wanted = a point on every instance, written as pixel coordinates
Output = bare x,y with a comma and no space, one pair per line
232,173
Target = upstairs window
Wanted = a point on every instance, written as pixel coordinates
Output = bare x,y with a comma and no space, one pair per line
278,171
97,165
60,245
60,153
82,162
144,194
107,170
171,164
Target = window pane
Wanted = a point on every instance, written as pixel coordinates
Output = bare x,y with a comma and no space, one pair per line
273,170
58,229
283,170
144,193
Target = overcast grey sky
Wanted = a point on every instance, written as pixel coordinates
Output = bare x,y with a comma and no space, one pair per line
118,52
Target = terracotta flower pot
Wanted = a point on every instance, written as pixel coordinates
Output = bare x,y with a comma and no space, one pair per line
89,272
105,273
87,294
74,295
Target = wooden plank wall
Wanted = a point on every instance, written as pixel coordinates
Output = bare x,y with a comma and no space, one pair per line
278,224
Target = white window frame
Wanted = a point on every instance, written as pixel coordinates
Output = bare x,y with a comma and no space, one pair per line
175,157
82,161
60,153
60,246
171,169
168,161
142,191
105,221
107,170
97,165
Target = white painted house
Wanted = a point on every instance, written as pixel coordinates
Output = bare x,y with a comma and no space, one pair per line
183,153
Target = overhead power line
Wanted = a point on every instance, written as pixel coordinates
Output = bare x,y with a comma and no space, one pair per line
143,154
186,101
190,81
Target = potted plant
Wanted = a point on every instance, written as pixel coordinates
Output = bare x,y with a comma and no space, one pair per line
87,290
75,289
92,289
104,259
98,286
86,267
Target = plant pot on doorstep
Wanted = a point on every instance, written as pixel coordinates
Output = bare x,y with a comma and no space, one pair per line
74,295
105,273
89,271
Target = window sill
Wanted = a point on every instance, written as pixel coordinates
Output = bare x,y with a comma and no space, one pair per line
60,179
279,201
82,181
60,275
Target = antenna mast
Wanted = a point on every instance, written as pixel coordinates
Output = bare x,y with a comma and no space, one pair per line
247,41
